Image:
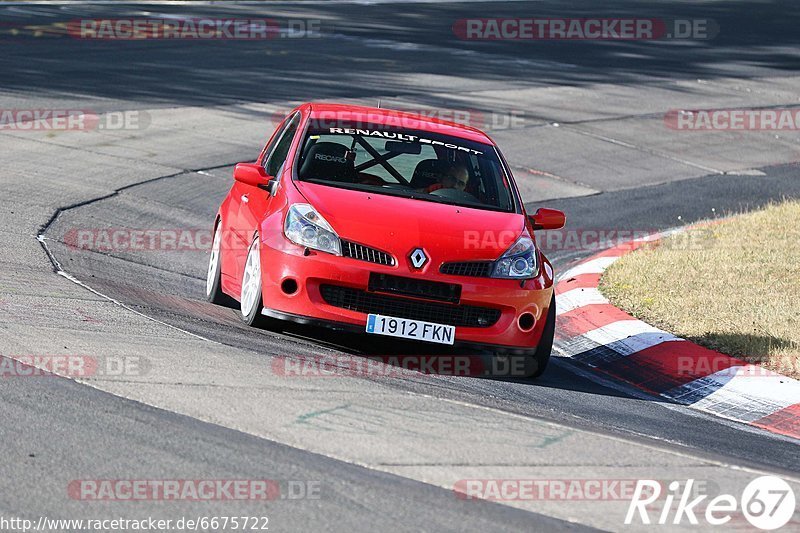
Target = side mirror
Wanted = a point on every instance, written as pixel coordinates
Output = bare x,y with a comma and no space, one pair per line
545,218
256,176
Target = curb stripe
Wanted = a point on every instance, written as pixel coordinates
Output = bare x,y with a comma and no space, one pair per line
670,365
584,319
581,281
594,333
759,388
627,247
592,266
786,421
627,337
597,356
578,298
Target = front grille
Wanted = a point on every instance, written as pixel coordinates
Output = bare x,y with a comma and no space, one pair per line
367,302
476,269
365,253
421,288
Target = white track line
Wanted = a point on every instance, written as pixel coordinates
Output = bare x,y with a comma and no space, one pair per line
627,337
593,266
577,298
745,393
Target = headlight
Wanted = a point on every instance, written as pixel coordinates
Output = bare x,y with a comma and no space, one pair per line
518,262
306,227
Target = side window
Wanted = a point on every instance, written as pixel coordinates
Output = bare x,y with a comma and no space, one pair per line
276,136
278,152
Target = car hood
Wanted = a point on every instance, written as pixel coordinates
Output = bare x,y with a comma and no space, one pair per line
399,225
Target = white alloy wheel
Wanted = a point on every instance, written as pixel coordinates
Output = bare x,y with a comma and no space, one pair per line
251,280
213,261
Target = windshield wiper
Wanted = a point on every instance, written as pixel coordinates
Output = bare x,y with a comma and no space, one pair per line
428,198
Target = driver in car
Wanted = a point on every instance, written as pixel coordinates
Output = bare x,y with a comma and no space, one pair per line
456,177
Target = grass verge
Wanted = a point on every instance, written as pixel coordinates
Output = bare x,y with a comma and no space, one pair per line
733,286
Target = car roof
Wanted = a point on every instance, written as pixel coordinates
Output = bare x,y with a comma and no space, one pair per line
396,118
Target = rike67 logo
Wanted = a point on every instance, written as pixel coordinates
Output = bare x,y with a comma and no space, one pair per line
767,502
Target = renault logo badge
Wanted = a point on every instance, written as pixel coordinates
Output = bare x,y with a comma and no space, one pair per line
418,258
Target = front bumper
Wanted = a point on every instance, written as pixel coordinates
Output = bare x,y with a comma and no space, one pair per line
288,266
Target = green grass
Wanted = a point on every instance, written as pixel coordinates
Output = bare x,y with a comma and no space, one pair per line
733,286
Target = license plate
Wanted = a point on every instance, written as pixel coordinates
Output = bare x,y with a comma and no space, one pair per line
411,329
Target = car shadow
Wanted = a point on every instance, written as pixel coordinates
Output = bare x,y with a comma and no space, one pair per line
408,359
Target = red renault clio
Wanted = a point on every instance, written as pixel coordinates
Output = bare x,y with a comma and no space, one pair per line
386,223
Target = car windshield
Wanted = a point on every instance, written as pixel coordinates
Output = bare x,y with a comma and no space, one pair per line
420,165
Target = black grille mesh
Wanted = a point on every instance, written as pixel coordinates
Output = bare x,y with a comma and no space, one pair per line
366,302
476,269
420,288
365,253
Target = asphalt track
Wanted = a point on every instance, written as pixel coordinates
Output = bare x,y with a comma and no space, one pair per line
593,143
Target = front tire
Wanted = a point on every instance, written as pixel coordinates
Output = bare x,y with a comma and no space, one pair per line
542,355
251,301
251,298
214,292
